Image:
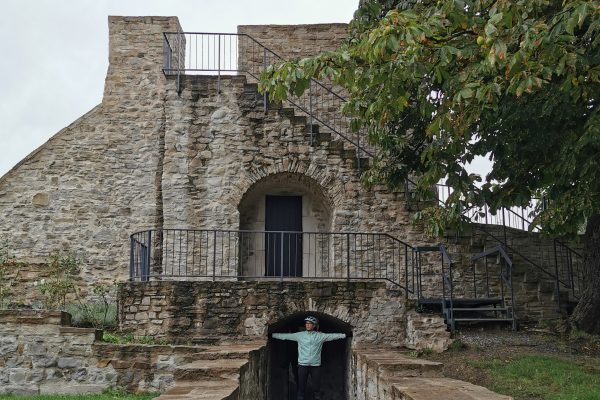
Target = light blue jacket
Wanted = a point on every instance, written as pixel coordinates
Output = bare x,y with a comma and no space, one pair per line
310,344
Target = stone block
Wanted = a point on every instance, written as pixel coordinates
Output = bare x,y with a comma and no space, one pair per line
72,388
69,362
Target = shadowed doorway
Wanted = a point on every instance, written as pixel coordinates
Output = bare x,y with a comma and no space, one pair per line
283,359
283,248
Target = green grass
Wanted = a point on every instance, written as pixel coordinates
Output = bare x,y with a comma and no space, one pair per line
544,377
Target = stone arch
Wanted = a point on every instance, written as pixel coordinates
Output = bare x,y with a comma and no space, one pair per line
283,357
317,215
328,182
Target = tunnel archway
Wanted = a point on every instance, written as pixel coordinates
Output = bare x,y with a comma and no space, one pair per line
283,359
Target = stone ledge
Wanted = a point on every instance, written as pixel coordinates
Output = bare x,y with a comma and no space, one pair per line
35,317
82,331
442,388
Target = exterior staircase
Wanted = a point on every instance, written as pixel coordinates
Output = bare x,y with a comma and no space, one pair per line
214,374
315,135
466,295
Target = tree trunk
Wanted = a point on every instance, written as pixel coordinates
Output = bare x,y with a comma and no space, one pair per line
586,315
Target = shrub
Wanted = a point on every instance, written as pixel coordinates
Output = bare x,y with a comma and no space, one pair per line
93,315
63,272
9,272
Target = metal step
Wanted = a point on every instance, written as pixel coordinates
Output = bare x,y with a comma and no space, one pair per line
482,319
503,309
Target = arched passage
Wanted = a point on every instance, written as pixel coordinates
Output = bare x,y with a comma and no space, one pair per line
283,359
290,202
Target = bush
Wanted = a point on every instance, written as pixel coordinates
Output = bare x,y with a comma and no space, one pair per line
93,315
9,272
63,272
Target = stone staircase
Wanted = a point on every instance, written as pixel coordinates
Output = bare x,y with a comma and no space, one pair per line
320,138
214,374
386,374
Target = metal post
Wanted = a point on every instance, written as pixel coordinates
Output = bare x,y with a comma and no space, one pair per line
504,228
557,280
131,263
358,154
264,69
405,270
310,113
281,233
147,269
348,256
219,64
179,41
214,255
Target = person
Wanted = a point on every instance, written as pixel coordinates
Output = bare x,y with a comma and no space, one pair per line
310,343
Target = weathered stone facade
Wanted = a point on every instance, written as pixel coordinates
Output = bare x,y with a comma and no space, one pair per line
149,157
189,152
195,310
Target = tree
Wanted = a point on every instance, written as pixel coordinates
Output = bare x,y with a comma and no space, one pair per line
436,83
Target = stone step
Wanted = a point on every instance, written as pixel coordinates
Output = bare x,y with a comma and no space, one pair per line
395,363
210,369
214,389
441,388
226,351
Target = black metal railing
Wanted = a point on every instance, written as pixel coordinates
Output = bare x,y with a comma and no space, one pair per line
224,254
219,54
510,217
433,266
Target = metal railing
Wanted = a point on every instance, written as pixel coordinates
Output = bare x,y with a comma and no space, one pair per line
511,217
189,53
227,254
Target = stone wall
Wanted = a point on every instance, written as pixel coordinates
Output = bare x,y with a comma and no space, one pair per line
151,157
41,354
188,311
147,157
97,180
294,41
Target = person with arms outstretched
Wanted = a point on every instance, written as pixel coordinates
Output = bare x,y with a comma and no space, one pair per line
310,343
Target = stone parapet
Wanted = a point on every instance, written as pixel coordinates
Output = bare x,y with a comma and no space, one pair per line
188,311
40,355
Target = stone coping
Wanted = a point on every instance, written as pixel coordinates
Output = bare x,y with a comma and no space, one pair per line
35,317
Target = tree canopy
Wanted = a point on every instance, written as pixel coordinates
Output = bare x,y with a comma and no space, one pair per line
436,83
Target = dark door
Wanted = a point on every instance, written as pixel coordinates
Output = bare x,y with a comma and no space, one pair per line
283,249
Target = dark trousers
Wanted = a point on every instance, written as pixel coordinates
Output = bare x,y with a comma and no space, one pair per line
315,377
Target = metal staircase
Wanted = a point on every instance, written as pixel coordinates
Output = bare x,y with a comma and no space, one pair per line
466,296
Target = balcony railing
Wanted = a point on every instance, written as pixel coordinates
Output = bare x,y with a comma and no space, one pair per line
172,254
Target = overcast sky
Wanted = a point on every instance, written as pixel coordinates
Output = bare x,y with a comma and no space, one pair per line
55,53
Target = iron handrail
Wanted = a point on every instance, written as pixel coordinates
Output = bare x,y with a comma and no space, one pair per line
226,254
308,110
506,277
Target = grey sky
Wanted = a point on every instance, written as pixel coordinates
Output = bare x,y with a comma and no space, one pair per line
55,53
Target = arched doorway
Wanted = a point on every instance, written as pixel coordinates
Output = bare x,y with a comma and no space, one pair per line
283,357
281,216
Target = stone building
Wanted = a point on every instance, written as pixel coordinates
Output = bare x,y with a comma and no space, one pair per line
225,215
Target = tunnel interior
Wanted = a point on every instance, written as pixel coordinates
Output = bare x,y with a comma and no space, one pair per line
283,359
